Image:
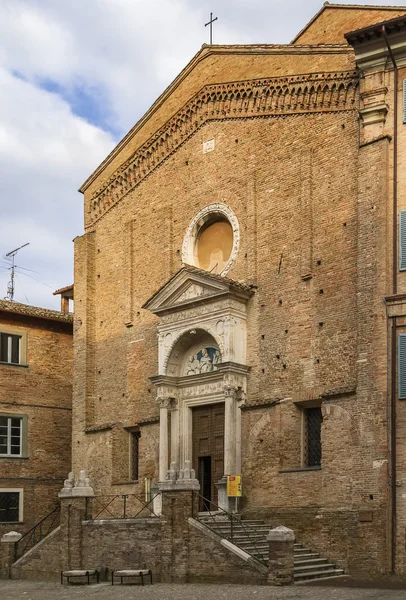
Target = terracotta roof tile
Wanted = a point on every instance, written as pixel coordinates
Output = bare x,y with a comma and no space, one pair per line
35,311
64,289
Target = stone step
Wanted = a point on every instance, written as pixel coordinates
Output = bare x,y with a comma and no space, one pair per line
244,526
309,561
246,536
307,555
309,568
299,551
318,575
319,578
240,533
254,542
237,525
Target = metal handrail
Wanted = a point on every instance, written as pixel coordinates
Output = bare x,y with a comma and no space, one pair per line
232,518
37,533
123,508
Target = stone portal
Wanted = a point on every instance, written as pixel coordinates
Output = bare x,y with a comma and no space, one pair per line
202,377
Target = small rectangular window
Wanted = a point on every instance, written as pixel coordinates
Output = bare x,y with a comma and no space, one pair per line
10,348
312,437
404,101
402,366
10,506
11,429
135,442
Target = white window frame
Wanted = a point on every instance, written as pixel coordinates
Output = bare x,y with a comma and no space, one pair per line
23,435
22,350
20,503
8,436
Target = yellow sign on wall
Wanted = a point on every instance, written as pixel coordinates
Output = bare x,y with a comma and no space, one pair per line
234,485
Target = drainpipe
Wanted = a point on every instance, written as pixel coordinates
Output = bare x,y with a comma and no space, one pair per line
394,285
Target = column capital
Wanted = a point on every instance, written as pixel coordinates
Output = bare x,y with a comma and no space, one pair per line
230,391
167,402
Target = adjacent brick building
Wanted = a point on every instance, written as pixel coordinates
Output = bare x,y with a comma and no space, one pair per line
35,411
237,283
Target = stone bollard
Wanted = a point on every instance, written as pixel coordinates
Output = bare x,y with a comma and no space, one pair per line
7,553
281,556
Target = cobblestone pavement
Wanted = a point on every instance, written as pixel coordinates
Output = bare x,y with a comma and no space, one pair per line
30,590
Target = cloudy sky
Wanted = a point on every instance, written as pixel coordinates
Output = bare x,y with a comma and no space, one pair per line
75,76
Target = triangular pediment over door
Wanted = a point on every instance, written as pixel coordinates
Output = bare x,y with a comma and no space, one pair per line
190,287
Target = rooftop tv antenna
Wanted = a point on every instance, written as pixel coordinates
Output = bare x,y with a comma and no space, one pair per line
11,286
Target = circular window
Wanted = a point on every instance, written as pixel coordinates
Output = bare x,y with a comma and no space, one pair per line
212,239
214,245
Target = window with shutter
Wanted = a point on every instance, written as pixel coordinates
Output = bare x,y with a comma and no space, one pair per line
404,101
402,240
402,366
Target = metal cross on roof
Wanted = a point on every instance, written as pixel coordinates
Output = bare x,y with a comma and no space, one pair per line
211,26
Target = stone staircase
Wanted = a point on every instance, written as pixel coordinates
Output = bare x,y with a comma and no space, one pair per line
250,536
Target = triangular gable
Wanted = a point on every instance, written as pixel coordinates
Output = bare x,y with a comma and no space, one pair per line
191,286
330,24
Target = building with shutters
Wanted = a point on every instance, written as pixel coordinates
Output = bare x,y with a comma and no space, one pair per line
35,412
241,289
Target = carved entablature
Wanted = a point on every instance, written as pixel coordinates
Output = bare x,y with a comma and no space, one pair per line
203,323
312,93
229,380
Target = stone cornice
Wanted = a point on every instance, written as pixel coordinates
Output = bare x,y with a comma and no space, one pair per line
312,93
205,52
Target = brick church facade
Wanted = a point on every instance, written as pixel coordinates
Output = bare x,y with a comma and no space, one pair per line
239,300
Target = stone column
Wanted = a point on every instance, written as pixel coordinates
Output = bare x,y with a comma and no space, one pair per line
163,437
230,445
281,557
175,432
229,430
240,401
7,553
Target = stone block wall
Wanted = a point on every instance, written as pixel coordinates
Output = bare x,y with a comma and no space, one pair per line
209,562
44,562
123,544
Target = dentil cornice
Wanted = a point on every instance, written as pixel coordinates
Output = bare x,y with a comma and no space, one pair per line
312,93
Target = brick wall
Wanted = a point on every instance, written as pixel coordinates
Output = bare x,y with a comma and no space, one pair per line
43,392
334,22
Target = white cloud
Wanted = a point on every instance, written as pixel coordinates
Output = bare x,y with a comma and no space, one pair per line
45,154
106,60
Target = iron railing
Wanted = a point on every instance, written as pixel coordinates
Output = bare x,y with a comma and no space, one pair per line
38,532
219,516
120,506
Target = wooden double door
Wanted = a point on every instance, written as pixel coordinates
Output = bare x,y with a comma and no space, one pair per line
208,451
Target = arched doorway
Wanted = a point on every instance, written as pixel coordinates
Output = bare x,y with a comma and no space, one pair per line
194,359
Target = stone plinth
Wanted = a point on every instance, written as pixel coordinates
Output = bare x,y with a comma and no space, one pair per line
281,556
7,553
